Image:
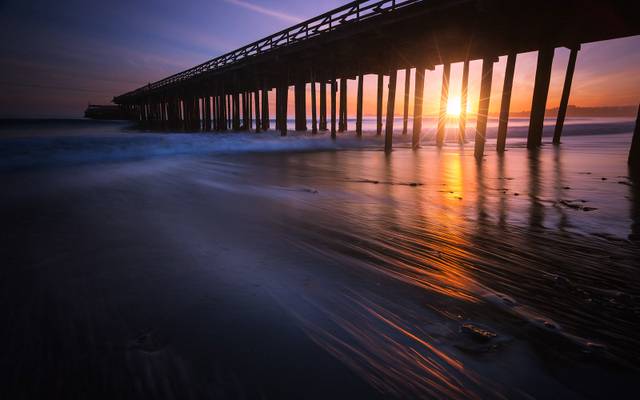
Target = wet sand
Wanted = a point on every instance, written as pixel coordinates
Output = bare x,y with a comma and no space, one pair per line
325,274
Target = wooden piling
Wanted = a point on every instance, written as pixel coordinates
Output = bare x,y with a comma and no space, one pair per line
334,89
323,105
314,119
284,103
634,151
197,115
193,114
189,119
229,111
300,106
265,109
178,114
483,107
342,126
224,116
162,114
168,113
359,105
245,112
250,106
256,97
540,93
285,109
193,102
391,101
505,103
407,84
379,105
235,123
186,116
464,94
444,99
278,107
566,89
222,123
207,117
214,113
418,99
218,110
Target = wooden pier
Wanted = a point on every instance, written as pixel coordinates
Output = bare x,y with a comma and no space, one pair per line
381,37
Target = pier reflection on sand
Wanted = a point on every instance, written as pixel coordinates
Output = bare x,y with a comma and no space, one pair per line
519,265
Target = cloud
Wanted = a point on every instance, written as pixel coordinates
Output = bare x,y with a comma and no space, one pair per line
266,11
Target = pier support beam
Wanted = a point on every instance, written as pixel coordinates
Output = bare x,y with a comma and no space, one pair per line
301,106
483,107
391,101
407,84
634,152
505,103
195,114
256,97
444,99
235,123
540,93
198,114
243,111
359,105
177,117
278,107
163,114
566,90
250,106
284,102
186,113
314,116
323,105
222,112
464,94
216,113
222,107
265,109
334,89
418,98
342,126
228,101
246,111
379,105
207,113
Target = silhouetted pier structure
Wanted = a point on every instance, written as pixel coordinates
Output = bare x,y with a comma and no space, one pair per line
382,37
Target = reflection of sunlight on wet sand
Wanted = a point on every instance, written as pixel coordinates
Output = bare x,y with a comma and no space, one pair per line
467,240
392,355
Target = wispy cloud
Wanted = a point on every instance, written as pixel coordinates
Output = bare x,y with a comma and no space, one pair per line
266,11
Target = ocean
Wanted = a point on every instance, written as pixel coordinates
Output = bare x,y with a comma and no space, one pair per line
244,265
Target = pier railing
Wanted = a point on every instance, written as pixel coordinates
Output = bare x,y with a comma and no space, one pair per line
350,13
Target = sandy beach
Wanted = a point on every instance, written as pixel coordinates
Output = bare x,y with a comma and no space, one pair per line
303,268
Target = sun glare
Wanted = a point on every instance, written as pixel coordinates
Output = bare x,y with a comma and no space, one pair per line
453,107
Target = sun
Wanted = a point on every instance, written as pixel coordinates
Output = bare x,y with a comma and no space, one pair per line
453,107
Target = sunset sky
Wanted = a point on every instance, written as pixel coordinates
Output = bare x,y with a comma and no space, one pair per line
59,56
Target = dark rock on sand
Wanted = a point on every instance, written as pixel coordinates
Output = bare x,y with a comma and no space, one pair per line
477,333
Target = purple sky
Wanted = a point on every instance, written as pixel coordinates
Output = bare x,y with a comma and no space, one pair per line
59,55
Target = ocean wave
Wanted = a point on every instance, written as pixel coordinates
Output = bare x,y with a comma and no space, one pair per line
33,152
